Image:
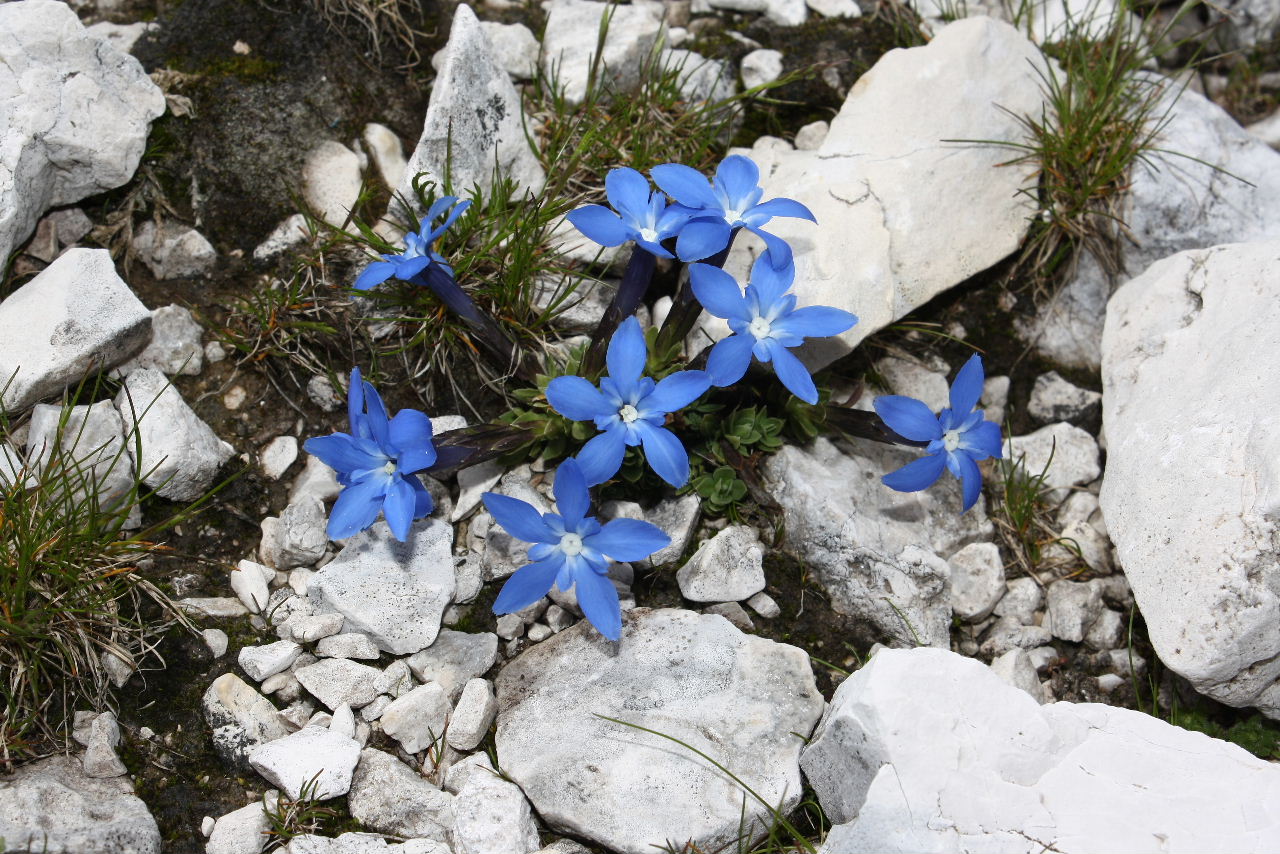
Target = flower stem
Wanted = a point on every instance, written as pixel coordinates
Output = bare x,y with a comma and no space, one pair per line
866,425
487,333
634,285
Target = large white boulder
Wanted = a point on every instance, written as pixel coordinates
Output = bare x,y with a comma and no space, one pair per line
474,119
76,316
569,44
1211,182
927,751
76,114
902,213
1191,491
745,701
880,555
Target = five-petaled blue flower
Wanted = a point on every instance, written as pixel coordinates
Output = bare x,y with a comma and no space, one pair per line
417,254
630,409
376,464
642,215
958,436
571,549
731,201
765,322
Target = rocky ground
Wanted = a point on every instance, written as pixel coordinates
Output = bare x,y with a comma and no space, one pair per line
1077,670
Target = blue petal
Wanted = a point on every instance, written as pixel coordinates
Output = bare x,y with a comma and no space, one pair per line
528,584
815,321
375,274
628,192
967,387
970,479
601,457
519,518
718,292
739,176
983,441
626,355
792,372
577,399
341,452
729,360
541,551
702,238
572,497
410,434
408,269
779,249
457,211
686,185
908,417
440,205
779,207
771,280
398,507
917,474
675,392
422,503
666,456
376,416
628,539
598,599
355,405
600,224
356,508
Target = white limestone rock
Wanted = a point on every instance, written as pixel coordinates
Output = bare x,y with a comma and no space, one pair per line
338,682
515,47
261,662
454,659
77,112
388,796
879,554
291,232
316,480
1016,668
298,538
569,42
977,581
1068,455
241,719
181,454
924,750
313,753
784,13
700,79
173,250
90,444
738,698
417,719
1193,464
239,832
175,346
1054,399
729,567
122,37
277,456
1021,600
473,716
76,316
391,591
53,807
387,152
102,737
902,215
678,518
492,816
331,181
474,118
1073,606
249,581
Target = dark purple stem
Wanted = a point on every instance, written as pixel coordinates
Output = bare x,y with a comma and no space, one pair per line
487,333
866,425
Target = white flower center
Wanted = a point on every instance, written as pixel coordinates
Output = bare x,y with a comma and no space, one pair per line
732,216
649,235
628,413
571,544
760,328
951,440
390,467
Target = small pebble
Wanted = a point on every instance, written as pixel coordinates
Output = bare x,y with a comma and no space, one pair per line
206,826
216,640
762,603
538,632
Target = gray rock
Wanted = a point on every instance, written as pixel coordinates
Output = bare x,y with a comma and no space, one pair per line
729,567
1020,602
91,448
288,234
174,251
1003,773
473,716
216,640
977,581
122,37
75,317
492,816
331,182
569,42
738,698
1068,455
261,662
313,753
181,454
388,154
298,538
1053,399
316,480
309,628
811,136
762,603
995,397
734,613
241,719
77,112
879,554
1107,632
701,80
391,591
678,519
249,581
473,482
390,797
454,659
239,832
474,118
1008,633
1073,606
510,627
348,645
1188,405
760,67
101,740
337,682
224,607
51,806
417,719
927,384
175,346
1016,668
515,48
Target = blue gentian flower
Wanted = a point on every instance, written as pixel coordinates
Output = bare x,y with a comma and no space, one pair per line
571,549
731,201
375,463
958,436
765,323
642,215
417,254
630,409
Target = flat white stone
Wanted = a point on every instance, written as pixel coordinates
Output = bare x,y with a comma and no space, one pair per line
492,816
337,682
977,581
240,717
313,753
175,346
569,42
1066,454
278,455
239,831
417,719
250,585
331,181
473,716
454,659
729,567
388,796
261,662
174,251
